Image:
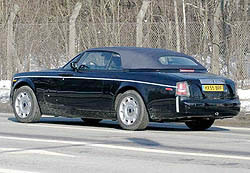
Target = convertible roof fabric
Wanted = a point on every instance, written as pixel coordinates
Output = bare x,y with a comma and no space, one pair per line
146,58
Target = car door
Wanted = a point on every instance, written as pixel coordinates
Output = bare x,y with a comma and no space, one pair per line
49,87
110,87
82,90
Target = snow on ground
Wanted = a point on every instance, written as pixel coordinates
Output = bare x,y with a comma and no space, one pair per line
244,94
245,99
5,86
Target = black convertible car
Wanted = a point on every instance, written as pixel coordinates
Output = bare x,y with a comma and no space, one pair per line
132,85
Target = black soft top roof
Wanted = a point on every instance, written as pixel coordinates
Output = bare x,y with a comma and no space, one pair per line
146,58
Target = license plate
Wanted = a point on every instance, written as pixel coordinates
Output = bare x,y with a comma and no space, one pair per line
213,87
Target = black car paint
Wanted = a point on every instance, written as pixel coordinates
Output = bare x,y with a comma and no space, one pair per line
64,95
75,96
92,93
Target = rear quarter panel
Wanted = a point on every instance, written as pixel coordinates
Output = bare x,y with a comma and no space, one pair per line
152,87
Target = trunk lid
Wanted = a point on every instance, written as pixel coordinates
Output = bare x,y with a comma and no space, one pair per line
206,85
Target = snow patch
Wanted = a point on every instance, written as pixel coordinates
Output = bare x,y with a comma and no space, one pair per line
244,99
5,86
244,94
245,106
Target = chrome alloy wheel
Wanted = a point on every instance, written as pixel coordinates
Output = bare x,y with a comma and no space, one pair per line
129,110
23,104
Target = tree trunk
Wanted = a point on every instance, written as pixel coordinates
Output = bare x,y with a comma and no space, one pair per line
94,25
170,36
72,29
216,41
11,50
184,26
178,44
207,36
139,26
246,2
225,38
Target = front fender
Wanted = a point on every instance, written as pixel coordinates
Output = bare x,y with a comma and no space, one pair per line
17,83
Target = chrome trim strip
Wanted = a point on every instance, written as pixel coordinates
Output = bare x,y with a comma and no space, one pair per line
177,104
212,81
107,79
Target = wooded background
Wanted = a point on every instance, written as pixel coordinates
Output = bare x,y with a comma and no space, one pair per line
38,34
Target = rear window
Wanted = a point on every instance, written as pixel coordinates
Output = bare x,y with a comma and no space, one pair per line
174,60
115,63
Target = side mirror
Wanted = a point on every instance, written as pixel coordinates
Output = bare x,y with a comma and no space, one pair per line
74,66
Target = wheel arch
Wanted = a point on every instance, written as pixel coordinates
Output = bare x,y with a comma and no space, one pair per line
19,84
24,82
125,88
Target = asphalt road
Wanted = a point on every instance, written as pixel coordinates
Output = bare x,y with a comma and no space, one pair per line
70,145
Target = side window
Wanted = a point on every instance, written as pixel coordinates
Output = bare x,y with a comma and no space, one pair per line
75,59
115,63
95,61
175,60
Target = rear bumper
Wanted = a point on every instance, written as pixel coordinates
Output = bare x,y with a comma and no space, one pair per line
183,108
212,108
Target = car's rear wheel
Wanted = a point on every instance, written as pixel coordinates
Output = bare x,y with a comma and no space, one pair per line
91,121
25,105
200,124
131,111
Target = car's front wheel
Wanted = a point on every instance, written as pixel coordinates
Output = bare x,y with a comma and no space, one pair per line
199,124
25,105
131,111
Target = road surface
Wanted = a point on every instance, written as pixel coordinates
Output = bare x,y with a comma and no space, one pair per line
70,145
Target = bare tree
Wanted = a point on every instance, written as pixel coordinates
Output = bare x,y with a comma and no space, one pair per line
184,25
246,6
72,29
178,42
44,32
216,41
11,50
139,26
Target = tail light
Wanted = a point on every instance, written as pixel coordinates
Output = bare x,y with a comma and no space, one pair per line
182,89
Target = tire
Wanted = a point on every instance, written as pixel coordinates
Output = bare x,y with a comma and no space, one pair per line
199,124
131,111
91,121
25,105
